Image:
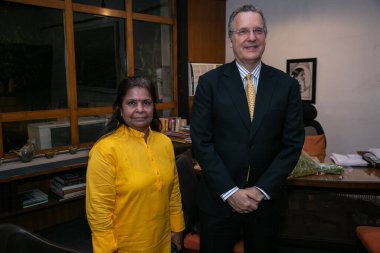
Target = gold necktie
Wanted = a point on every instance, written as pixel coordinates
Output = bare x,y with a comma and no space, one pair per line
250,92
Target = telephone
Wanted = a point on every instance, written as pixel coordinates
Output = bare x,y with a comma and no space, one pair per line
372,159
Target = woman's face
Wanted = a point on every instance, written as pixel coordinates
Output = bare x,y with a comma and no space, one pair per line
137,109
301,79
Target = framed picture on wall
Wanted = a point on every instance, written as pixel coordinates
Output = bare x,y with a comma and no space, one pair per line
305,72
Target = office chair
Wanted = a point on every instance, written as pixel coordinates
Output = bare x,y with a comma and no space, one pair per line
369,237
315,138
15,239
188,183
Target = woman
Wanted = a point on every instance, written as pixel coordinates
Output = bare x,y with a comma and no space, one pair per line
299,73
133,202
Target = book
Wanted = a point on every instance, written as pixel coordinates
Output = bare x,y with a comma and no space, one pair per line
32,197
61,192
172,124
180,140
180,136
69,195
62,187
71,178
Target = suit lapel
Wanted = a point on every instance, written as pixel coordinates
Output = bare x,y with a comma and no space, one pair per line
263,97
232,82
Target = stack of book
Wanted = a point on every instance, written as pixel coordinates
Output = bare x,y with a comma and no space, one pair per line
180,136
32,197
69,185
176,129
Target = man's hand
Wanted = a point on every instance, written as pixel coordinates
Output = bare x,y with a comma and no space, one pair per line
245,200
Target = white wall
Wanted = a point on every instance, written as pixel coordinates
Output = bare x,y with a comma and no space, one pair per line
344,36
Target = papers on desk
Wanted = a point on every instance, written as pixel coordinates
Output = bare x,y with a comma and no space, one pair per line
348,160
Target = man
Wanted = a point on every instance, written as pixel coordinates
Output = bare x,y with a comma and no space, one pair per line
245,162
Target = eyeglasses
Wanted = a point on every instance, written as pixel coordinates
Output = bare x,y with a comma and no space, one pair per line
244,32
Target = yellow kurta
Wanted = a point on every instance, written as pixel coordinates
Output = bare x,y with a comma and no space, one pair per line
133,200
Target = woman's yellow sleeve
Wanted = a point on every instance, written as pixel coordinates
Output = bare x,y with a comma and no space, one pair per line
176,214
100,200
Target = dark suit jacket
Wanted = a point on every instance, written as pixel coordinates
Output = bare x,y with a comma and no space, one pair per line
226,143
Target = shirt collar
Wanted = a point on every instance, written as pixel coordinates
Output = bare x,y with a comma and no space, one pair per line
243,71
135,133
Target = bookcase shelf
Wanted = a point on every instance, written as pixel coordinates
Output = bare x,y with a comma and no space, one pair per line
39,176
51,203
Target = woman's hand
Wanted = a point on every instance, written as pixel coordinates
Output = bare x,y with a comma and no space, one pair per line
177,239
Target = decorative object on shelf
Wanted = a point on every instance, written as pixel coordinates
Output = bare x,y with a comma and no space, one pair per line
26,152
73,150
1,160
50,154
305,72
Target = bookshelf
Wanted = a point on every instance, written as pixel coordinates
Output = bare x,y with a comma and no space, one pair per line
38,175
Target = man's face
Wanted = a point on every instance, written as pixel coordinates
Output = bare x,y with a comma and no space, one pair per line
248,47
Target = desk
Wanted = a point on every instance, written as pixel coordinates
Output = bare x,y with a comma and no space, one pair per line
324,210
352,178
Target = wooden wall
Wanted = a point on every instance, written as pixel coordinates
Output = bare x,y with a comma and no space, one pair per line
206,31
206,27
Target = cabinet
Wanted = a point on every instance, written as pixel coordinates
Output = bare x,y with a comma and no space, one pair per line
37,174
324,210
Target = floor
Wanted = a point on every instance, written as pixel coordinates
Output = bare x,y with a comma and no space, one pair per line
76,234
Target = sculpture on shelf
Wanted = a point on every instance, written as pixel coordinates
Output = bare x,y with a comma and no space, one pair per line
26,152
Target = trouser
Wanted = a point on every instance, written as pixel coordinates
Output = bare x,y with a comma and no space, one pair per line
259,230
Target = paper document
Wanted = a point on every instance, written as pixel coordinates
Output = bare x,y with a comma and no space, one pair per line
348,160
195,71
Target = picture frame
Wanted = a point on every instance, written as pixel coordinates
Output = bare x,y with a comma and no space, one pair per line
305,72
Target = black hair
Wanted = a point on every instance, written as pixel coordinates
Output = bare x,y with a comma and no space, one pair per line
297,71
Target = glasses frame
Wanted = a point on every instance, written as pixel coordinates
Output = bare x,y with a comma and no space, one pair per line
245,32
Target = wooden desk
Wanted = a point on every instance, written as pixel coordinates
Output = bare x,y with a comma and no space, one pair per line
352,178
324,210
